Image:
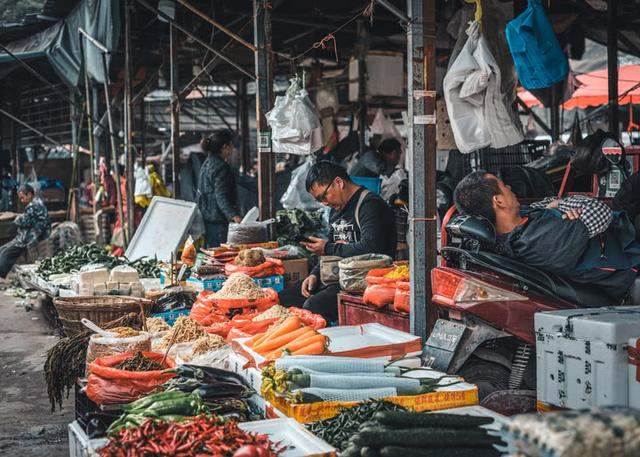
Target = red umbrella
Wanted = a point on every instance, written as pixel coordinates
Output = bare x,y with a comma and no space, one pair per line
594,89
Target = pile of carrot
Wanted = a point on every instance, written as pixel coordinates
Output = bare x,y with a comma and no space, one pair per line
291,336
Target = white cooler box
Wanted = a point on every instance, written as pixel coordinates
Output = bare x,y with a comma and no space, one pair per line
582,358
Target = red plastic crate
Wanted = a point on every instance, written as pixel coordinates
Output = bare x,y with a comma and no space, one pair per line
353,311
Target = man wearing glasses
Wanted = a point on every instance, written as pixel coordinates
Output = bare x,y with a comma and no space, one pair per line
360,223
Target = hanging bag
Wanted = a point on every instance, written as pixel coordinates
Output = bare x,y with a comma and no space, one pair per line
538,57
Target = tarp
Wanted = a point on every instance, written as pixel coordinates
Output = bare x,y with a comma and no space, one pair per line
60,43
594,89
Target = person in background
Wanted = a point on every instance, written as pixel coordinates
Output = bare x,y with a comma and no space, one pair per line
33,226
360,223
382,162
217,195
577,237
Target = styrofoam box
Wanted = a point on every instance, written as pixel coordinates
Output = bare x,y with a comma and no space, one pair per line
582,356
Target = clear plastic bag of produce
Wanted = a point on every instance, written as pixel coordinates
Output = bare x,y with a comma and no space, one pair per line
100,347
107,384
354,270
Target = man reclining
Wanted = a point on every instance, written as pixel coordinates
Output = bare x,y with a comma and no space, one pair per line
578,238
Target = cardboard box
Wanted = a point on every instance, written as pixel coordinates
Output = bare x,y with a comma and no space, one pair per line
295,270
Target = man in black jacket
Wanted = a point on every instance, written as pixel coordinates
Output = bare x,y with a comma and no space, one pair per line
360,223
577,237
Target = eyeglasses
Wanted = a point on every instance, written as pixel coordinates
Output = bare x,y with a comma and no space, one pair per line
322,198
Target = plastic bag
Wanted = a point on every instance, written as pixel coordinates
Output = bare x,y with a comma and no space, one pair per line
107,384
354,270
294,122
205,311
330,269
100,347
249,233
380,291
227,305
189,253
269,268
382,125
401,301
296,195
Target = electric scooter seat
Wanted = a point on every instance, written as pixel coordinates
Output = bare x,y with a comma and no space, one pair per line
483,233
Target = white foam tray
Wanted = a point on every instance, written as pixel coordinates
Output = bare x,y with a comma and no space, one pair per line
288,432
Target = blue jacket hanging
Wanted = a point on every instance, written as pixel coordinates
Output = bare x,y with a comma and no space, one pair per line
538,57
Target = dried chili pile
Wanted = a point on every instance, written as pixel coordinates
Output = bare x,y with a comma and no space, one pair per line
204,435
139,363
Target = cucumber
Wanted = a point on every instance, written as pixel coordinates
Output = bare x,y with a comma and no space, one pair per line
400,419
425,437
400,451
369,452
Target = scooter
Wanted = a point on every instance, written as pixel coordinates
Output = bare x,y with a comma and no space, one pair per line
486,304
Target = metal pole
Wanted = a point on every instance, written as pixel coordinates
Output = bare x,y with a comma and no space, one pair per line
264,87
175,110
128,121
612,66
87,94
243,109
97,142
361,50
114,149
555,113
393,10
216,24
422,160
15,151
143,132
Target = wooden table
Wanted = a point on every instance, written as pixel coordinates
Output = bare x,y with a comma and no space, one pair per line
353,311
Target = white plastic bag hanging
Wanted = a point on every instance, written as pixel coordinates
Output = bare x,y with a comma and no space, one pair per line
294,122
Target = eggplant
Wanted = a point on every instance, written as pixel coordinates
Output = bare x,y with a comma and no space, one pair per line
220,390
210,375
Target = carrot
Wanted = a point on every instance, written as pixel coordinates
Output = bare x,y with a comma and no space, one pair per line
257,339
290,324
312,349
274,343
303,341
293,344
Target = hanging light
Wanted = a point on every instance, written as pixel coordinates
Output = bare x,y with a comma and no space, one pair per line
168,7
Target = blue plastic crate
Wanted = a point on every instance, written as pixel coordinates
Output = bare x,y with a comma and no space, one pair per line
372,184
275,282
171,316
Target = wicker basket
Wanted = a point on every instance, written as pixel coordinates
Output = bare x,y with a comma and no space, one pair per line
99,310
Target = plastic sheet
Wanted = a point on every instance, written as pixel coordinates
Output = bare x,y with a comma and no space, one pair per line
108,385
296,195
401,301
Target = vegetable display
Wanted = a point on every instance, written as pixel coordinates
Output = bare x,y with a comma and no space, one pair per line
337,430
184,330
166,406
74,258
343,379
202,435
66,359
290,336
406,433
139,363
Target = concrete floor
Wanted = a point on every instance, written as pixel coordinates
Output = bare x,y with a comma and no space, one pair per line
27,425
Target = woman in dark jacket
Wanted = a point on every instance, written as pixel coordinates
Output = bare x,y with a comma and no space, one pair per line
218,196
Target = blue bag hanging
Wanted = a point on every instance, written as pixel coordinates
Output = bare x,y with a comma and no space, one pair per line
537,55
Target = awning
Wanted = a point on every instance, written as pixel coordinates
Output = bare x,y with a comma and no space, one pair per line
594,89
60,43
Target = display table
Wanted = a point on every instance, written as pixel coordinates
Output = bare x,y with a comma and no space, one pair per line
353,311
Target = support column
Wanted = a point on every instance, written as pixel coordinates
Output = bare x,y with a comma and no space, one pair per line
612,66
421,162
264,89
243,110
175,110
97,139
15,143
128,120
362,48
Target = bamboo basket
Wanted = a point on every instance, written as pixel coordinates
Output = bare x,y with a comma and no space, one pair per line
98,309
